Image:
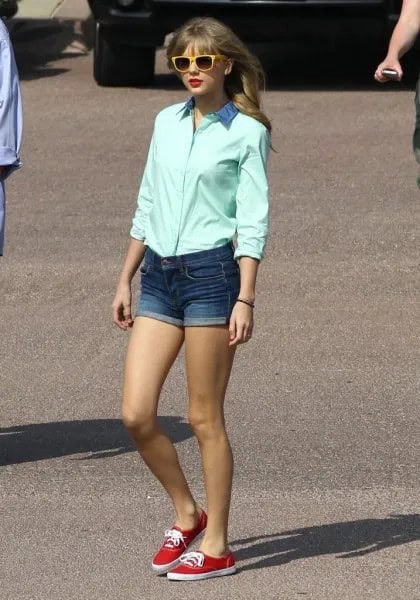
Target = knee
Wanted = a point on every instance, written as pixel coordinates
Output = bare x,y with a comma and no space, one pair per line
206,427
139,424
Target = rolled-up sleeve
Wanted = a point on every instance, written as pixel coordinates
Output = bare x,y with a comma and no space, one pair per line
145,196
252,197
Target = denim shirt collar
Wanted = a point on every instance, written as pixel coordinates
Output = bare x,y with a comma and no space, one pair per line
226,114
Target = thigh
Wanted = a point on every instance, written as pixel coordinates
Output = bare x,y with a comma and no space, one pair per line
152,349
208,360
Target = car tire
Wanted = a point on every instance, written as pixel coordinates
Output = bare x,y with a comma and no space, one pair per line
119,64
8,8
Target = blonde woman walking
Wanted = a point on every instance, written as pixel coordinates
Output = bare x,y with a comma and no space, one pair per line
200,229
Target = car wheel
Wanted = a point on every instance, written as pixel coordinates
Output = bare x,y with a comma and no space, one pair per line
8,8
118,64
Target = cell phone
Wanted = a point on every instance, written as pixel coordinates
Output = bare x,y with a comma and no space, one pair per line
390,74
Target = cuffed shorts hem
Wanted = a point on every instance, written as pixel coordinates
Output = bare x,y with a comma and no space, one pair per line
158,317
192,322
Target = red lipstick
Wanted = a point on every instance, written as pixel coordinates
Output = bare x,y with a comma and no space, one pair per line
195,82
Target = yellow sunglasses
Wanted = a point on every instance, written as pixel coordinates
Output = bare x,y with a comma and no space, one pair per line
204,62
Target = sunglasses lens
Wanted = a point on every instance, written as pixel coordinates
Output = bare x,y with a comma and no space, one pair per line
204,63
182,63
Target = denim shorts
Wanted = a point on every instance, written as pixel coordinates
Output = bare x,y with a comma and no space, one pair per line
193,289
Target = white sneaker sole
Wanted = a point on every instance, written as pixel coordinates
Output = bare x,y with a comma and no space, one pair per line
220,573
162,569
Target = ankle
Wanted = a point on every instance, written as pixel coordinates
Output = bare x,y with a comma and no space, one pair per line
187,516
215,547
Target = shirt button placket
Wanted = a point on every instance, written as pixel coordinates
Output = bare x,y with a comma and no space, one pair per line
182,190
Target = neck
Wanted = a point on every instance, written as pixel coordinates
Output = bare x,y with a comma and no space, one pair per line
207,104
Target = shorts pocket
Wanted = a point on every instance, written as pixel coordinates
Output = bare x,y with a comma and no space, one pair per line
231,268
144,269
205,272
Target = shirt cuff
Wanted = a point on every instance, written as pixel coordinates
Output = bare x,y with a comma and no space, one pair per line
8,156
251,253
137,234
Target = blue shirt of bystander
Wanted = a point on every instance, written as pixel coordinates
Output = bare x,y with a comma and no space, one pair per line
10,119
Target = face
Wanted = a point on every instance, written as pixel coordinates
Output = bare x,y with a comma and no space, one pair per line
205,82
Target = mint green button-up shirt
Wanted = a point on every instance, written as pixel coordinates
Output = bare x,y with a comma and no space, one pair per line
201,189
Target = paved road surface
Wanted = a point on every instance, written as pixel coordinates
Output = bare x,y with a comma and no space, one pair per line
323,404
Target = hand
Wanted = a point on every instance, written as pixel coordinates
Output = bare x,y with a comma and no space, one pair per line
241,324
121,307
388,64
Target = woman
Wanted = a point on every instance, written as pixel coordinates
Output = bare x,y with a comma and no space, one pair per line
204,184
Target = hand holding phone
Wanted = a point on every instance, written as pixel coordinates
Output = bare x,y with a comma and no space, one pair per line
391,74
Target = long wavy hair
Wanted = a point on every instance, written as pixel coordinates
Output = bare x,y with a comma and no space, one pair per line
243,84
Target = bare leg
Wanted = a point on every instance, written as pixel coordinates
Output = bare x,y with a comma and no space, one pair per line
152,349
209,362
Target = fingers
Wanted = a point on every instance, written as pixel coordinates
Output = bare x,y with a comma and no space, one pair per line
394,66
121,314
240,332
379,77
127,314
232,331
118,317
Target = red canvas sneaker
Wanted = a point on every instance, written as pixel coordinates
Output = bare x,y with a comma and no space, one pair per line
197,565
176,542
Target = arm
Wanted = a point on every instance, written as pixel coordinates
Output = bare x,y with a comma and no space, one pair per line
248,268
242,319
145,196
252,228
10,107
252,198
121,305
402,39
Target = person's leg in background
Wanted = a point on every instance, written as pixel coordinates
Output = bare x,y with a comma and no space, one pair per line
416,134
2,214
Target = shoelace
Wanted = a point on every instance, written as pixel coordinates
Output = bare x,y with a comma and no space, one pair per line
193,559
173,538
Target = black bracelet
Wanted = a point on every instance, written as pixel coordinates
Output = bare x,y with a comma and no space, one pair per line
251,304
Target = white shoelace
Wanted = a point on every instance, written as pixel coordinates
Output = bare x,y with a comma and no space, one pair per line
193,559
174,538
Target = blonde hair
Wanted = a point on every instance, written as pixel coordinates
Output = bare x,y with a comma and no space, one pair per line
243,84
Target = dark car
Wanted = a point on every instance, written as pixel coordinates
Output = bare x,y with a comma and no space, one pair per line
8,8
129,31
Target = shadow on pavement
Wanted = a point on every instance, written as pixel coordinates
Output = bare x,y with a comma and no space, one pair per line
37,43
101,438
348,540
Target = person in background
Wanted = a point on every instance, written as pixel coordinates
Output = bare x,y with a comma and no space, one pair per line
10,120
402,39
204,186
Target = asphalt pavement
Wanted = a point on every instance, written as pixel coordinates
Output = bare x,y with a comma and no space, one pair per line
322,408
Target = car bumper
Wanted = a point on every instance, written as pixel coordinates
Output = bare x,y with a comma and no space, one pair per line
148,22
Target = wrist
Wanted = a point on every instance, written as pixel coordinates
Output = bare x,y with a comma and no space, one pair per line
245,301
247,295
124,280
